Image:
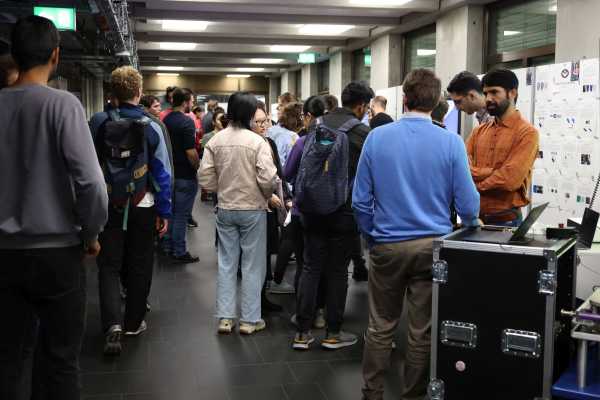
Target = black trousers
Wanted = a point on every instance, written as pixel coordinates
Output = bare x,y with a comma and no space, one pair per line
327,241
292,241
42,303
132,249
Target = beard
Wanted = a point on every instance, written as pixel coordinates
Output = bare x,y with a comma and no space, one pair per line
497,110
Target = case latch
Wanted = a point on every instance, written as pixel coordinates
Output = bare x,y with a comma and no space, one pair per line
521,343
547,282
440,271
459,334
436,390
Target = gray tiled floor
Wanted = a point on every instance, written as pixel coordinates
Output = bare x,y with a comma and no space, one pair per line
181,357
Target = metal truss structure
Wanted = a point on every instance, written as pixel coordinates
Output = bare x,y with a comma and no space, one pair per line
120,36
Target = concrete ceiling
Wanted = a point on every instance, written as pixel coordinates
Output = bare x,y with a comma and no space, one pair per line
229,34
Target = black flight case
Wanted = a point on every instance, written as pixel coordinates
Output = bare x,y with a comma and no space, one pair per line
496,332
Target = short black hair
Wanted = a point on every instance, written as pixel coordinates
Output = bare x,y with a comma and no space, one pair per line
170,89
148,100
331,102
180,96
357,93
241,109
315,106
501,77
464,82
33,40
440,111
216,112
198,109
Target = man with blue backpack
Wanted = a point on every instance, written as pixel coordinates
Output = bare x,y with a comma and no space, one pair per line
134,158
323,190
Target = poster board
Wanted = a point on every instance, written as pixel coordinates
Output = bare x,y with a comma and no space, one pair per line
391,94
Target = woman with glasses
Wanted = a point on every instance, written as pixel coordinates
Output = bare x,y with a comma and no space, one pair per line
261,124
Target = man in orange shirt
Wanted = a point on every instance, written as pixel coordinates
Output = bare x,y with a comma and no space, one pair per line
502,152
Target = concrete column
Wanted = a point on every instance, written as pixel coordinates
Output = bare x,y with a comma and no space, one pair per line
340,72
577,30
274,91
386,62
459,42
288,82
310,82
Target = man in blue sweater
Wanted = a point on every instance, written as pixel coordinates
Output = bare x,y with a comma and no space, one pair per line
409,173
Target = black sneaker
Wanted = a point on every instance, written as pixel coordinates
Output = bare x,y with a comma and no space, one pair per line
112,346
187,258
192,223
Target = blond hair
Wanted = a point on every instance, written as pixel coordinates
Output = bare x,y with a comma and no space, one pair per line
126,83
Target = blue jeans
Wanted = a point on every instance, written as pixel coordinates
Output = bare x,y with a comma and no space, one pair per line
244,231
183,203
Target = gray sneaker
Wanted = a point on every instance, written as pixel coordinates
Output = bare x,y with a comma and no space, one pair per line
302,341
339,340
281,288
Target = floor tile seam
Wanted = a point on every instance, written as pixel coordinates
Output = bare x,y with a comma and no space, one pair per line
321,390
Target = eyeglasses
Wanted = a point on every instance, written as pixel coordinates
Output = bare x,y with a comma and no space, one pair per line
261,122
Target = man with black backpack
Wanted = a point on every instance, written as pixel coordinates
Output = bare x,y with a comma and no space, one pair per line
134,157
323,190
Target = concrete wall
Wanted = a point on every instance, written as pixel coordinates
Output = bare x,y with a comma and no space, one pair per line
577,30
288,82
310,82
386,62
206,84
459,42
340,72
274,91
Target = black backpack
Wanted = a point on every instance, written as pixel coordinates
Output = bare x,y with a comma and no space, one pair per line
322,185
123,154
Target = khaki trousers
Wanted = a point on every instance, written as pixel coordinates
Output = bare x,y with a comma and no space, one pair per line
399,271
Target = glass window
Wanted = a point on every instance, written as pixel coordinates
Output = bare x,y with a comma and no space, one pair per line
420,49
519,27
361,71
323,77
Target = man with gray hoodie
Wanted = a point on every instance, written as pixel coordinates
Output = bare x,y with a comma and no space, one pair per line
54,204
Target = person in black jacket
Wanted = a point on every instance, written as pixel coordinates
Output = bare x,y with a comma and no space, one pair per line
329,238
379,117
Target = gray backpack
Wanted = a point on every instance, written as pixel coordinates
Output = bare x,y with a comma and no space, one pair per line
322,185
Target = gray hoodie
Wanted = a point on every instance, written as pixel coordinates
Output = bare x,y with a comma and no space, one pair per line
52,191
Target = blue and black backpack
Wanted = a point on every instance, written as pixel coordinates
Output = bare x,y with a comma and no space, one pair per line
322,185
123,154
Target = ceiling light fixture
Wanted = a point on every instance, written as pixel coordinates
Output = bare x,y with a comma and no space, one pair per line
250,69
288,49
177,46
512,33
167,68
167,74
426,52
379,3
184,25
322,29
266,60
238,76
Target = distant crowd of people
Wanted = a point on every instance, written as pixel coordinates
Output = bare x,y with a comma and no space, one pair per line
314,184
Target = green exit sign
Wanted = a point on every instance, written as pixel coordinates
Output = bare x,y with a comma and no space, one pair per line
307,58
367,60
63,18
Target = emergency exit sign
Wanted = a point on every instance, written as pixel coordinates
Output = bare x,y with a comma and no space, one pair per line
307,58
63,18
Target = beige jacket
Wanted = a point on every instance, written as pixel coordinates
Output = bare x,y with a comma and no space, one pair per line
238,166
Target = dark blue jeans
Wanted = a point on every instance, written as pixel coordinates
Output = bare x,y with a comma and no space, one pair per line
184,196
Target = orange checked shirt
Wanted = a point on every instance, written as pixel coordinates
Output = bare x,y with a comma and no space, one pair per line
501,156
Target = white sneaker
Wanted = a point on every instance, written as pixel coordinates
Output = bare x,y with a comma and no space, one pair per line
249,329
225,325
320,322
281,288
139,330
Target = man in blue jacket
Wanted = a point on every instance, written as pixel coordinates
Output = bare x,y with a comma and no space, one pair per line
409,173
128,237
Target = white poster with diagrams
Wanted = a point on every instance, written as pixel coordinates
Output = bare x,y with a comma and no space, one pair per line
566,113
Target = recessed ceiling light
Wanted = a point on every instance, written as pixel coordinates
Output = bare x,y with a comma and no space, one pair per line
379,3
238,76
512,33
266,60
167,68
425,52
321,29
177,46
250,69
184,25
288,49
167,74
